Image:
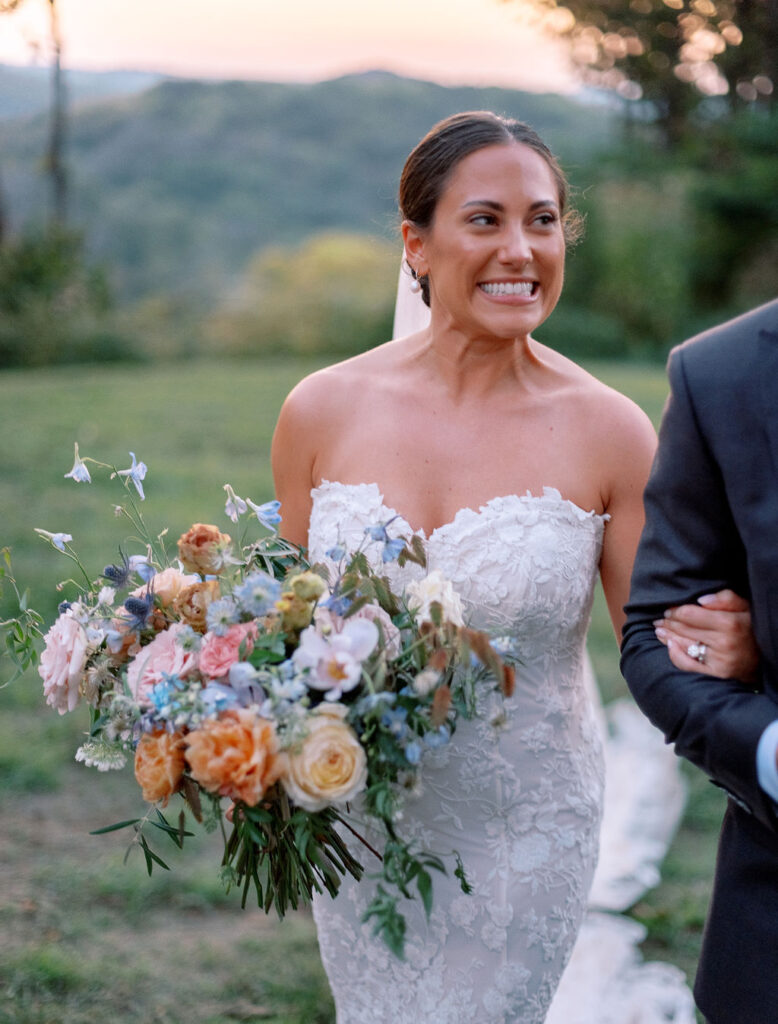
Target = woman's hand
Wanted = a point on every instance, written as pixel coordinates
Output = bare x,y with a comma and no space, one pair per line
720,627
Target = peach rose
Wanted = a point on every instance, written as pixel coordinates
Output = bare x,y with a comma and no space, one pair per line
159,765
192,602
235,755
330,766
163,656
166,586
62,662
202,549
219,653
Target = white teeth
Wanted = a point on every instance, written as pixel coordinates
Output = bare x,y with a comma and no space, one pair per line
507,288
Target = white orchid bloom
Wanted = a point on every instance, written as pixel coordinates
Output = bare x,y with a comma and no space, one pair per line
335,661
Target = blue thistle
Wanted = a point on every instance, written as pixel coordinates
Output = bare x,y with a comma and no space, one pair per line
118,575
139,610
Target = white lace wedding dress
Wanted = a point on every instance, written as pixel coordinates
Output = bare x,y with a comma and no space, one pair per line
517,792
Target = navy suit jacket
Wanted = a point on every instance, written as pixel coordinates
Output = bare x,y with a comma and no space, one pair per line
712,522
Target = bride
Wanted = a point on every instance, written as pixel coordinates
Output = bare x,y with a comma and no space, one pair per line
524,474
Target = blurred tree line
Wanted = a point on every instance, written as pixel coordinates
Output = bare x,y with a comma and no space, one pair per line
681,204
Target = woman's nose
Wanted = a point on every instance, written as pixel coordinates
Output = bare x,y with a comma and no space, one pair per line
514,246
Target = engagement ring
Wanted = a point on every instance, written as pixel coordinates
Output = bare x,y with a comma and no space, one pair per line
698,652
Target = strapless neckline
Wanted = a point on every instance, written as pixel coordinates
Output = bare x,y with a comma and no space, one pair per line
551,498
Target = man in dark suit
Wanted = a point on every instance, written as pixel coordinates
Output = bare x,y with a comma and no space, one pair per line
711,523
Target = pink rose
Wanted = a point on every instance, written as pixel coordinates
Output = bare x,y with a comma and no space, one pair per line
62,663
163,656
218,653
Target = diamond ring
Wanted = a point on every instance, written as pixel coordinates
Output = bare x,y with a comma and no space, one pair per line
698,652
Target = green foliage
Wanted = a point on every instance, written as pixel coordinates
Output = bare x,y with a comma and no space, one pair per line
735,206
670,55
53,306
332,294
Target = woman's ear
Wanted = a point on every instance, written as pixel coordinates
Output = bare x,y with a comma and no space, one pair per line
413,237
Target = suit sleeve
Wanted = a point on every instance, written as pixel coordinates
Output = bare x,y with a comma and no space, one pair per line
690,546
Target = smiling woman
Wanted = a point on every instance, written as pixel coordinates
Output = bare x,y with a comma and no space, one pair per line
496,242
523,475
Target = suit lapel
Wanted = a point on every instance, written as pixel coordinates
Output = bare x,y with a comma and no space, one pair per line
768,369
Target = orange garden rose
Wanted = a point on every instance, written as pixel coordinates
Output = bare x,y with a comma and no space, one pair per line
192,602
159,765
235,755
202,549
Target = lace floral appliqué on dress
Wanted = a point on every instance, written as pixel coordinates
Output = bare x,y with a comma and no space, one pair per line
517,792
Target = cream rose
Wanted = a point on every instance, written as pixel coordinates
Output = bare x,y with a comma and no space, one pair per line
435,589
330,766
63,661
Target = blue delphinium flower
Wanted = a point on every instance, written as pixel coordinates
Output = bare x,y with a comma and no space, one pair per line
267,514
413,752
141,565
216,697
438,737
221,615
79,472
336,553
506,647
392,548
258,593
393,719
337,603
234,506
163,694
59,540
135,474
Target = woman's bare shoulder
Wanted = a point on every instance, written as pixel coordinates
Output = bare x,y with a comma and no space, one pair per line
323,393
608,411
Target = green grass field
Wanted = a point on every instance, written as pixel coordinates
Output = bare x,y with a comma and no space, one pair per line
82,936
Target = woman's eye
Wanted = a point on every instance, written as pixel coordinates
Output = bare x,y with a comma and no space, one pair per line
547,218
483,218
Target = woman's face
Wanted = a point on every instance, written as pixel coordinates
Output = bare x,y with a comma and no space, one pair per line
495,251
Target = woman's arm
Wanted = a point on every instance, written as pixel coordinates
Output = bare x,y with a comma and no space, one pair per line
293,455
721,621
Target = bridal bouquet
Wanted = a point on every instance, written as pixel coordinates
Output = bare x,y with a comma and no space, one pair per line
268,694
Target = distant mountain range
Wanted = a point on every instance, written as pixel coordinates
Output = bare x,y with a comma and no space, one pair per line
24,90
177,183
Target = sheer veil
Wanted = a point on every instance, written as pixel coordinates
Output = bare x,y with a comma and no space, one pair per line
410,313
606,981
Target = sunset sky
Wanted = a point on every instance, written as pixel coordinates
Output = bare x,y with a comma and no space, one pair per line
478,42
